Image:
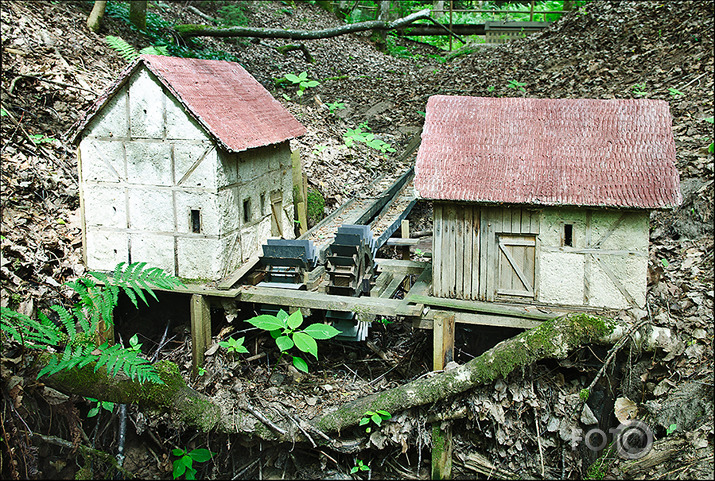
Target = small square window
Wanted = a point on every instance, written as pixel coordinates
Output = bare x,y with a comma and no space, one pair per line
247,210
568,235
195,221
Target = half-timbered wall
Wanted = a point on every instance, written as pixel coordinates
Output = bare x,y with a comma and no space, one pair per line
154,187
559,256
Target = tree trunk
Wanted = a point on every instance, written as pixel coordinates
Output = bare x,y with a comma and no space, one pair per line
380,36
94,21
137,13
553,339
187,31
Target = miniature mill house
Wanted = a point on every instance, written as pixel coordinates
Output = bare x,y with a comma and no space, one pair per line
184,164
545,200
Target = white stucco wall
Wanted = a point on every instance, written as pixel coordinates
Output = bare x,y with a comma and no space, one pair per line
605,267
146,164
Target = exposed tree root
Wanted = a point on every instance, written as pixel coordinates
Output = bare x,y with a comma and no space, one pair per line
553,339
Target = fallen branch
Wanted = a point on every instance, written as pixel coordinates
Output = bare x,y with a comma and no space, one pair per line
190,30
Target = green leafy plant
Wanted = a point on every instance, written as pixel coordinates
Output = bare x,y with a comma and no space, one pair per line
665,262
234,346
70,340
106,405
41,139
584,394
129,52
711,147
184,465
3,112
301,81
360,466
233,14
671,429
675,93
367,138
491,88
376,417
513,84
285,329
638,90
332,106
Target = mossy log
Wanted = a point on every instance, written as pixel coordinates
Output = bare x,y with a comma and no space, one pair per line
553,339
192,30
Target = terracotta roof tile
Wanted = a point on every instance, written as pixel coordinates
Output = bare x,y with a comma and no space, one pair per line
585,152
222,96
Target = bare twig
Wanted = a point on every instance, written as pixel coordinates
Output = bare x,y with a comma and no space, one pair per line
264,419
297,423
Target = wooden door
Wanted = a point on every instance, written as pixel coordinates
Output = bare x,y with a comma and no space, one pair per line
516,265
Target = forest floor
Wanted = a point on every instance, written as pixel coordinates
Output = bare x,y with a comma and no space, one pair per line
53,68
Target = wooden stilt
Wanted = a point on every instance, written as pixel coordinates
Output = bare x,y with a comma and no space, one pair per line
200,330
443,339
443,343
405,233
105,332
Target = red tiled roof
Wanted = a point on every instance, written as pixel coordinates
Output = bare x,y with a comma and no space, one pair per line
222,96
581,152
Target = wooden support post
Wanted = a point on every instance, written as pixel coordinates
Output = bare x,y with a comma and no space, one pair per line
442,450
105,332
405,233
443,332
200,330
299,190
443,339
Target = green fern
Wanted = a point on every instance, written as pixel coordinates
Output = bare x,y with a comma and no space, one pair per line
121,46
154,50
130,53
96,304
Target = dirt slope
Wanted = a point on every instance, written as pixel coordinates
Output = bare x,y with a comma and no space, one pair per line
602,51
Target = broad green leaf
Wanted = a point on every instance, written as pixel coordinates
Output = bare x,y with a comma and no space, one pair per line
303,76
267,322
353,470
93,412
384,414
179,468
311,83
306,343
364,421
292,78
282,315
201,455
321,331
276,333
300,364
176,451
284,343
295,320
376,419
190,473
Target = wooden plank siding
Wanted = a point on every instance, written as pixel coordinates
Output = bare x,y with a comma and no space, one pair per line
469,258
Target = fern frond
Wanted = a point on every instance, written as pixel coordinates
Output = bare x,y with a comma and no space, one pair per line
118,358
153,50
121,46
30,332
135,279
67,319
